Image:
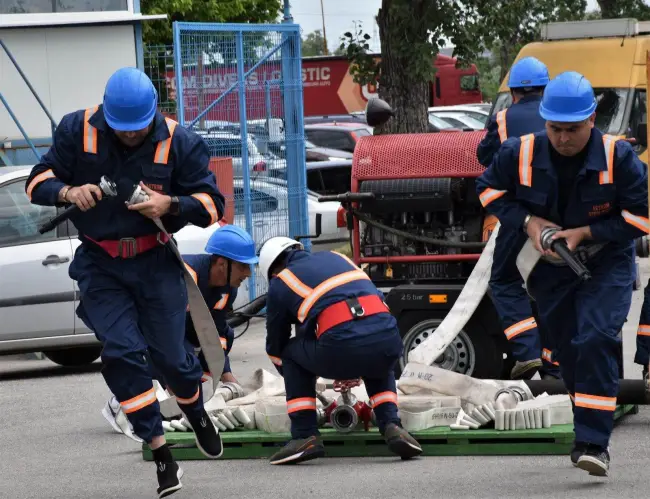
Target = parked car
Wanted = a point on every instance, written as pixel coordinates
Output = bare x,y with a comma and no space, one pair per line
326,177
37,297
342,136
315,153
478,111
459,120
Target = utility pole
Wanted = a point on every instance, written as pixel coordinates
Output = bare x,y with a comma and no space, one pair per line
322,13
287,13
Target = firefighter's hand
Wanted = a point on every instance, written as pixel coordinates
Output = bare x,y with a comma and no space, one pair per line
157,205
82,196
534,231
573,236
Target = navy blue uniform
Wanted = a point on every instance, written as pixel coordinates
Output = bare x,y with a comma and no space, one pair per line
134,301
642,355
311,293
527,340
219,300
610,195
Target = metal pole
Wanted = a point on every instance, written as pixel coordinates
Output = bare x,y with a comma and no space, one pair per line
287,13
22,130
322,13
29,85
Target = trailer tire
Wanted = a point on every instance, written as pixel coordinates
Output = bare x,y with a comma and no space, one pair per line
475,352
74,357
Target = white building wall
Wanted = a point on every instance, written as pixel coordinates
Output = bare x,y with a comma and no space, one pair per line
68,67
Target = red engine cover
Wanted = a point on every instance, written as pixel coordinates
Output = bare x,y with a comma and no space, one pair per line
417,155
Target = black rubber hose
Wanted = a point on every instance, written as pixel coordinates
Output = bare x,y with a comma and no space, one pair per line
415,237
246,312
630,391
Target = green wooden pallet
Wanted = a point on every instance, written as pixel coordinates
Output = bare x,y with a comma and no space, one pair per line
441,441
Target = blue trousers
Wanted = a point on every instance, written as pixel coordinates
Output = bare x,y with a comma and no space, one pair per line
526,338
136,308
642,355
305,359
585,320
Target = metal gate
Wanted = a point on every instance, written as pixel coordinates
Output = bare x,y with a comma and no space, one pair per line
240,87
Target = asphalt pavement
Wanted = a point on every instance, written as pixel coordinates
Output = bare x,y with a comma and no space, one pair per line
55,444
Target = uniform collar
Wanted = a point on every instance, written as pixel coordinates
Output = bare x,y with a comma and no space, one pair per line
594,160
530,98
160,131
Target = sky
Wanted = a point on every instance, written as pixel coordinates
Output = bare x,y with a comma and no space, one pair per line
340,14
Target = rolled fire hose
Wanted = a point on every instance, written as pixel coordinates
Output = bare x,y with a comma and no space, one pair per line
206,331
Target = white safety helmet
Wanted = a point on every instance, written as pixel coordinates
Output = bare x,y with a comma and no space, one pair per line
272,249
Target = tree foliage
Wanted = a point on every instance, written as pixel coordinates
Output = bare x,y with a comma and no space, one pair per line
232,11
611,9
313,44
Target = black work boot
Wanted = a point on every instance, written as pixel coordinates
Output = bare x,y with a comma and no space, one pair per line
578,450
168,471
595,460
400,442
206,435
299,450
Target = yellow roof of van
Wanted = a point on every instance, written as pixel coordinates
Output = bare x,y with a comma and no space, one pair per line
606,62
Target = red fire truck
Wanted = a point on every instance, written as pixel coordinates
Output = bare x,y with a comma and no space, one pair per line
328,88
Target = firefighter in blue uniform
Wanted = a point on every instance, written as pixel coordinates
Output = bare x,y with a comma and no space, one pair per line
133,295
529,345
593,187
642,355
344,331
230,252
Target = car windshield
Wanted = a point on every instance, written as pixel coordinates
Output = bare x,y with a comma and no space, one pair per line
609,113
439,122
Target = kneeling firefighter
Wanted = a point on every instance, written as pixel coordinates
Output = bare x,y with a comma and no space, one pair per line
345,331
218,274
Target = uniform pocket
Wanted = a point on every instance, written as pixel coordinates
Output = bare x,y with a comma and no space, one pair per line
157,177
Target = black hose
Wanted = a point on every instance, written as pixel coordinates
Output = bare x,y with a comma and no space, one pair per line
415,237
246,312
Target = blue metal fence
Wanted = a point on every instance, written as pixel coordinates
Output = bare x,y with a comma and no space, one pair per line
240,87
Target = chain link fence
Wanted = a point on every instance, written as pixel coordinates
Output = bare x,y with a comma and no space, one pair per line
159,66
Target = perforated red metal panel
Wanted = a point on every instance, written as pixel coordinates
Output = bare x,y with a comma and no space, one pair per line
442,154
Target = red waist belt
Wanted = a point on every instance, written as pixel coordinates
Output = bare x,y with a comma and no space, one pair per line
130,247
347,310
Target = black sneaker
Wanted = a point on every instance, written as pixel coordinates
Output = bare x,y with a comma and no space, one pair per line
298,451
400,442
595,460
207,436
169,478
578,450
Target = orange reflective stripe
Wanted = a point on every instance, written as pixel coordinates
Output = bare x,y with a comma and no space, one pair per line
383,398
139,401
526,160
643,330
609,142
224,343
354,265
190,400
501,121
326,286
489,195
520,327
547,355
221,304
41,177
641,223
276,360
294,284
164,146
208,204
301,404
90,132
595,402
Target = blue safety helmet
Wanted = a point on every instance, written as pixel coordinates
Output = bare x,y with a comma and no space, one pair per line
568,98
528,72
234,243
130,100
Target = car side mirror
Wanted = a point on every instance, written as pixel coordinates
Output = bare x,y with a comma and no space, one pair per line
378,112
641,135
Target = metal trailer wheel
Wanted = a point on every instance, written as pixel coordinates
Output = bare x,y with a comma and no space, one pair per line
460,355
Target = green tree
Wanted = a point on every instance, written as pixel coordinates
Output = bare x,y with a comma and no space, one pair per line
612,9
313,44
413,31
234,11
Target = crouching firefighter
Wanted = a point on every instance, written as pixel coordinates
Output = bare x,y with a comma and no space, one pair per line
218,274
345,331
593,188
530,347
133,295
